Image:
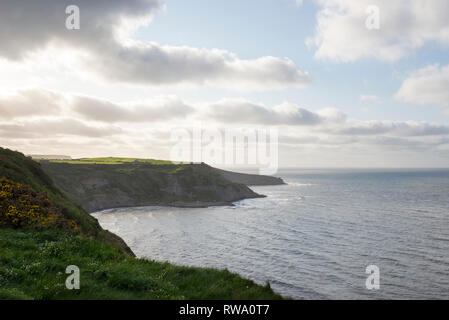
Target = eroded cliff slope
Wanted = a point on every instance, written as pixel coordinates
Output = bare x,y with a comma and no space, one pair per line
102,186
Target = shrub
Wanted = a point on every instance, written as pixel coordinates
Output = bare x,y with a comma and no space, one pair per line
21,206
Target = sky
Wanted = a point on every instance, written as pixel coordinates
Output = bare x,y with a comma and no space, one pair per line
338,92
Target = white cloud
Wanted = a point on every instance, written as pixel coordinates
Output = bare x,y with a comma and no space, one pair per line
247,112
89,126
158,109
341,32
32,129
104,47
427,86
51,108
29,103
332,115
161,65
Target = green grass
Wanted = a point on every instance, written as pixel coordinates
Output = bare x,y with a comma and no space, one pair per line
112,160
33,263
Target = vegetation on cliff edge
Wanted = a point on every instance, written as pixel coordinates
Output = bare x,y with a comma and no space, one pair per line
22,207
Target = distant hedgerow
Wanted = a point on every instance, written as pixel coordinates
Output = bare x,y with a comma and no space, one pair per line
21,206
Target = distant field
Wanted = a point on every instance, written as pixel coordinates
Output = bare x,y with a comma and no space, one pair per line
112,160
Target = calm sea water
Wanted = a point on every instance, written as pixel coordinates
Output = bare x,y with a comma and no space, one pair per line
314,237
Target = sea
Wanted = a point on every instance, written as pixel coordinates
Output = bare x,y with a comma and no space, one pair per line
317,237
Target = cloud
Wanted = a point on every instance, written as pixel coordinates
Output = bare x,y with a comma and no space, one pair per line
243,111
38,103
158,109
164,108
90,126
73,114
341,33
28,25
427,86
396,128
332,115
161,65
54,128
104,47
29,103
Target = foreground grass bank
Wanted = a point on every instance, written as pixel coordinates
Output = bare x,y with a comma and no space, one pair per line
33,264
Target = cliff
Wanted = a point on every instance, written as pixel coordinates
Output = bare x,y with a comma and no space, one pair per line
102,186
249,179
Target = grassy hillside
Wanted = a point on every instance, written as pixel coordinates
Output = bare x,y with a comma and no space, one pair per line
20,169
33,263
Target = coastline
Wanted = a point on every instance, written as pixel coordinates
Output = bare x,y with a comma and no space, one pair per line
182,204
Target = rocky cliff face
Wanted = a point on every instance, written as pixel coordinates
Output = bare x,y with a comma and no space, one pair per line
98,187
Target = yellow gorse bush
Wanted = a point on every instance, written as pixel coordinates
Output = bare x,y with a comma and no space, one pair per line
21,206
